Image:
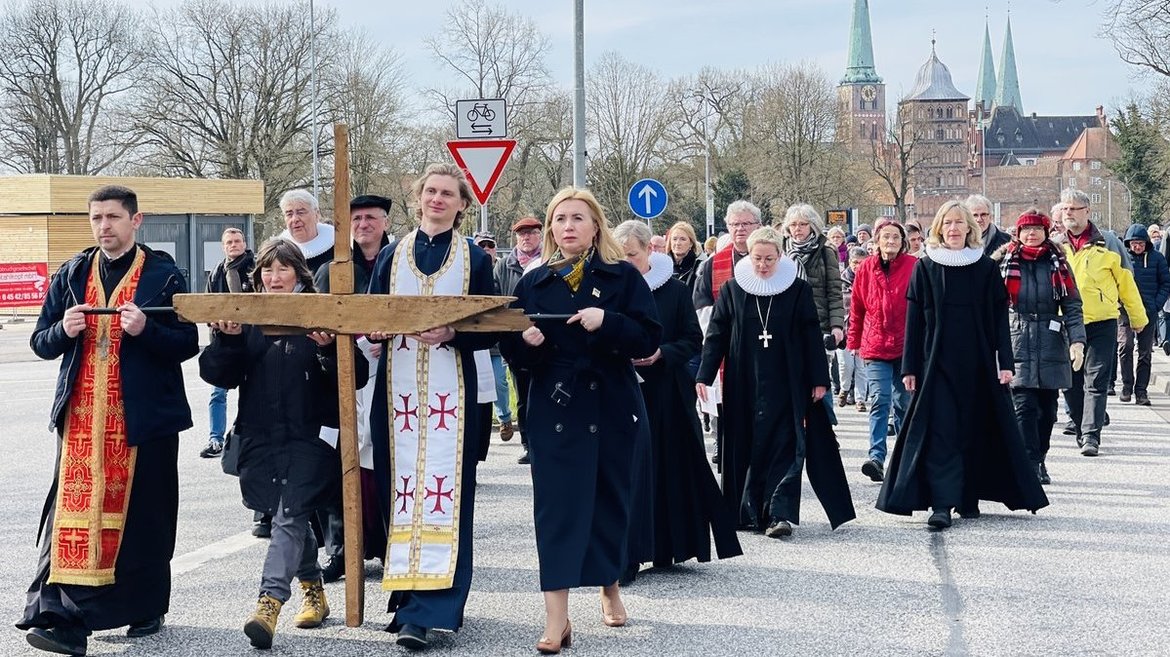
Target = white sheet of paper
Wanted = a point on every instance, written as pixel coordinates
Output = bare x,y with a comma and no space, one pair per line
329,435
1054,326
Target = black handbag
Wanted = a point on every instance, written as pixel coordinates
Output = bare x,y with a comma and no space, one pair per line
229,459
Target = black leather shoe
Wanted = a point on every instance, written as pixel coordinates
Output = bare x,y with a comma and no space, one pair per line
1044,478
524,460
63,641
412,637
1142,400
334,569
145,628
778,529
1070,428
873,470
262,529
940,519
970,513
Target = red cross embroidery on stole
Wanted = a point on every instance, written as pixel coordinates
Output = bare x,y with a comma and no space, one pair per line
439,494
406,413
404,494
443,411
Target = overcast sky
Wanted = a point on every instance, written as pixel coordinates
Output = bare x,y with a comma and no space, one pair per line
1064,67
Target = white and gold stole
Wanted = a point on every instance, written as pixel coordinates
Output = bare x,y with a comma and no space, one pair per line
427,405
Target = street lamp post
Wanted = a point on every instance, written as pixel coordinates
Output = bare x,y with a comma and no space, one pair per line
708,193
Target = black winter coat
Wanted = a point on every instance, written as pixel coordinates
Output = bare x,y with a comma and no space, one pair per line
288,391
1041,354
152,381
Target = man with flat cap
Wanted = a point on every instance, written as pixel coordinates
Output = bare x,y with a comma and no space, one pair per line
369,220
508,270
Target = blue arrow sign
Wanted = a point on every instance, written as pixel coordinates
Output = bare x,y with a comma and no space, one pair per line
648,198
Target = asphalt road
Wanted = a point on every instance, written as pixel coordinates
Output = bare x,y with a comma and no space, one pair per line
1086,576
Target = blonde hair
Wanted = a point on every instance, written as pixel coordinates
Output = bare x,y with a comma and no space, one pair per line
442,169
710,244
607,247
684,227
974,234
766,235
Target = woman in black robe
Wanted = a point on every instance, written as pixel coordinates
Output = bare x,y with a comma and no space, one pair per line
766,332
960,443
687,506
585,420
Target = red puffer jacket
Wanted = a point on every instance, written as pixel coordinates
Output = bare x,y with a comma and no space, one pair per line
877,312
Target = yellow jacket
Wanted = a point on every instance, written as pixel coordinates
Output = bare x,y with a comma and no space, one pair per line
1103,283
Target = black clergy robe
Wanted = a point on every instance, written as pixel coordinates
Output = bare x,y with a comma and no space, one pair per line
688,507
960,442
771,423
441,608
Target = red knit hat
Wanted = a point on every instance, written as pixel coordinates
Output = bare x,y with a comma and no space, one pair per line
1034,218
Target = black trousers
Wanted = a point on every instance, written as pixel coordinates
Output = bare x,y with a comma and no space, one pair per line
523,381
1036,415
1086,398
1144,340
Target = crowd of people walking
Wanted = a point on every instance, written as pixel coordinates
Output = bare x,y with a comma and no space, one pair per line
955,337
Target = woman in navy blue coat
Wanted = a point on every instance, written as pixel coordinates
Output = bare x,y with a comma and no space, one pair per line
586,419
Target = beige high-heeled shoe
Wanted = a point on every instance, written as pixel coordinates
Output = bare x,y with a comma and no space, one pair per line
546,646
612,620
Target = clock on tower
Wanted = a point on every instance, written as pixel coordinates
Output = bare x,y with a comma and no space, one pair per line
868,92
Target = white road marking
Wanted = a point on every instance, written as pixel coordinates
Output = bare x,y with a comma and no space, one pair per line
185,563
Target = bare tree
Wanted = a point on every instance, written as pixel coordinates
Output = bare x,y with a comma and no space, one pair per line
367,93
895,162
790,135
229,95
1140,32
68,65
495,53
627,124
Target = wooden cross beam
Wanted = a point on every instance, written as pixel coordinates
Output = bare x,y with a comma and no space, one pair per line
347,314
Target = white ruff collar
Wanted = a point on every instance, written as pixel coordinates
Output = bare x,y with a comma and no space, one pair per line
953,258
661,269
781,280
316,246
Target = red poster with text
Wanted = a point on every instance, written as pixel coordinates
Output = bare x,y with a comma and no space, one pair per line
23,283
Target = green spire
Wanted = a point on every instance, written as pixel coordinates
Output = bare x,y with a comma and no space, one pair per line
1007,92
985,87
859,65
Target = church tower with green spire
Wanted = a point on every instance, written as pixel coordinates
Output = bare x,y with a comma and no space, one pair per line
861,94
1007,91
985,86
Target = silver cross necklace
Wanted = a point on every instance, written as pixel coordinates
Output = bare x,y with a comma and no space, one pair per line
765,336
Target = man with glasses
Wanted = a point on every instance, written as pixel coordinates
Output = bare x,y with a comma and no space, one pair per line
993,236
302,221
742,218
1103,280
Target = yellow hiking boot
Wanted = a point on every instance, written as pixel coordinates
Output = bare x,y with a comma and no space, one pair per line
261,627
315,608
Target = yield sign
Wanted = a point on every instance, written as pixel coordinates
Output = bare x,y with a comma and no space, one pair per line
483,161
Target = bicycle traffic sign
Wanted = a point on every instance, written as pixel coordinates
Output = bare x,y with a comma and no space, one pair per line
481,118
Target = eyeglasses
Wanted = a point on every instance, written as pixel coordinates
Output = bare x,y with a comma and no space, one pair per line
742,224
982,214
1077,208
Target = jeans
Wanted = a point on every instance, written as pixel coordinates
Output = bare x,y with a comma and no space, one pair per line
1161,337
885,386
853,377
1036,414
217,410
503,402
1145,349
292,551
1086,398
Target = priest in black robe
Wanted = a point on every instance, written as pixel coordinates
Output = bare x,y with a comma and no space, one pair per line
687,506
766,333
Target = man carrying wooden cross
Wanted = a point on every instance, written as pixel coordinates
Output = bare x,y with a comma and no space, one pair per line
423,422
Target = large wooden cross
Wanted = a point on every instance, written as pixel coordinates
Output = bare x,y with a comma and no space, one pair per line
347,314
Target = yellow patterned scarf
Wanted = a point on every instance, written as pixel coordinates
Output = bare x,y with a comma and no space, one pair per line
575,273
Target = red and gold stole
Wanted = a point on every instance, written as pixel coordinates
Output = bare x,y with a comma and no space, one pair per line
97,464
